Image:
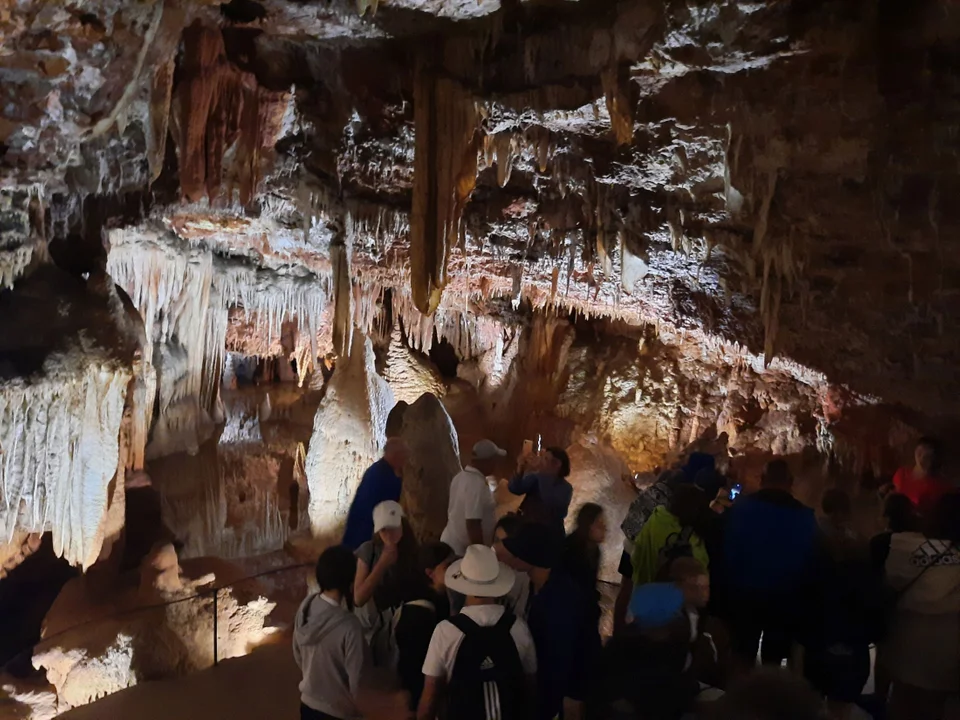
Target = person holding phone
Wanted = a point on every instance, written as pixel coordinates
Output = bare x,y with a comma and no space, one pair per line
542,479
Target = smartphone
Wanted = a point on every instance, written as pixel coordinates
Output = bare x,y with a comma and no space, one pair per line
539,443
528,447
735,491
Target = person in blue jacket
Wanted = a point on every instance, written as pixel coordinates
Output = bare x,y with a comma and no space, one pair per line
381,482
769,545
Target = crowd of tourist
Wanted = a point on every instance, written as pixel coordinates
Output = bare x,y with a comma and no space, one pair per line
500,619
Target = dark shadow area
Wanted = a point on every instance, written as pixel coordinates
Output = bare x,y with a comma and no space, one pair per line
26,595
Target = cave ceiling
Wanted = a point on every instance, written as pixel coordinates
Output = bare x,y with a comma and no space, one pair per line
775,176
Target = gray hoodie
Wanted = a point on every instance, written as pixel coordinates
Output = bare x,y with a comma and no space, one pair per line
328,646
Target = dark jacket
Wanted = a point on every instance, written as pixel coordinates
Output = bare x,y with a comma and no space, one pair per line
546,497
769,540
414,629
557,619
642,678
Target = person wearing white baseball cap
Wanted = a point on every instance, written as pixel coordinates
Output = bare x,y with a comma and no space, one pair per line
471,508
386,565
482,659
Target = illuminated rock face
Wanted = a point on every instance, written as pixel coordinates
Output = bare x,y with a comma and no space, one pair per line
348,437
122,646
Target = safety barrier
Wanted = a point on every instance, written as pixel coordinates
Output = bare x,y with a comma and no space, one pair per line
214,591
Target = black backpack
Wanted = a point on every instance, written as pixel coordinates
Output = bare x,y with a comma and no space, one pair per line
487,682
678,545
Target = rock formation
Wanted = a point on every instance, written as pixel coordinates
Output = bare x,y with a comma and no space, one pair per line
163,629
434,461
233,233
348,436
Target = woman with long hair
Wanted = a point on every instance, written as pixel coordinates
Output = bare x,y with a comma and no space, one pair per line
387,574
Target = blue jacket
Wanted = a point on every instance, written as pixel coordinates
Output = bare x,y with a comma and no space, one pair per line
379,483
769,543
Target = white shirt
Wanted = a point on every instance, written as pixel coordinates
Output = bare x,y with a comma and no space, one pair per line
470,499
445,643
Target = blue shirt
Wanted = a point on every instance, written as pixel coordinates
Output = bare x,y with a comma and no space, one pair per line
547,496
379,483
557,623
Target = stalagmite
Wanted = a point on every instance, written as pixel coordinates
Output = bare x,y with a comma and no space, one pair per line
348,436
434,461
445,173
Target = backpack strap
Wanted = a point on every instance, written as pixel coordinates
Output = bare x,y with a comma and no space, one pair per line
464,623
506,621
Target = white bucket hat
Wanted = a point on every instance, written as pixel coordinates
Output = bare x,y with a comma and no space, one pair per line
387,514
480,574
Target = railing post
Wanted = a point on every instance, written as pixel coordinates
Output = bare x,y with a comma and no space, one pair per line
216,632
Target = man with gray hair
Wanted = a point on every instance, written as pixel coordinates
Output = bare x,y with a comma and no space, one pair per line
381,482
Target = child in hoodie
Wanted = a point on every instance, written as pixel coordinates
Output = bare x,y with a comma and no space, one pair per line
330,649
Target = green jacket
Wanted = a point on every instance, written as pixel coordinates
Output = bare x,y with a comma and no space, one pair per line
662,527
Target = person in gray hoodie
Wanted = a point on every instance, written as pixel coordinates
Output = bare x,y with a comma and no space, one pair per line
330,649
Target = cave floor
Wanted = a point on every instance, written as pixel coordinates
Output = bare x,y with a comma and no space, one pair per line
263,684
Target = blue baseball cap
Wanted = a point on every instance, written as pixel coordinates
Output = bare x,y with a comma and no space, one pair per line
656,604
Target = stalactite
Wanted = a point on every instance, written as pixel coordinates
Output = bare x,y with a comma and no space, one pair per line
204,57
60,440
616,91
445,173
342,299
161,89
13,263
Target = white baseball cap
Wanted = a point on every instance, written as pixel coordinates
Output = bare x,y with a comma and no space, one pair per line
487,450
480,574
387,514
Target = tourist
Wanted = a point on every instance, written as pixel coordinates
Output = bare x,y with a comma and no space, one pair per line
640,510
769,541
671,532
542,479
556,616
836,521
769,694
381,482
581,560
387,572
417,618
330,649
840,613
921,651
710,642
471,508
482,661
899,514
643,672
922,483
517,600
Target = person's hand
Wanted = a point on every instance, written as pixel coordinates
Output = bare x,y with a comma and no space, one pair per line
386,706
391,551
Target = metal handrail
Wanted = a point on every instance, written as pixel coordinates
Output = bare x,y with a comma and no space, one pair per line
215,591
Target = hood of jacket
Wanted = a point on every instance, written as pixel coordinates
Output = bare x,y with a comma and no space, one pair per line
317,618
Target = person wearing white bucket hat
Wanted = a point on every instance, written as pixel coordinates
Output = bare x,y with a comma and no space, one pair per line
483,659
